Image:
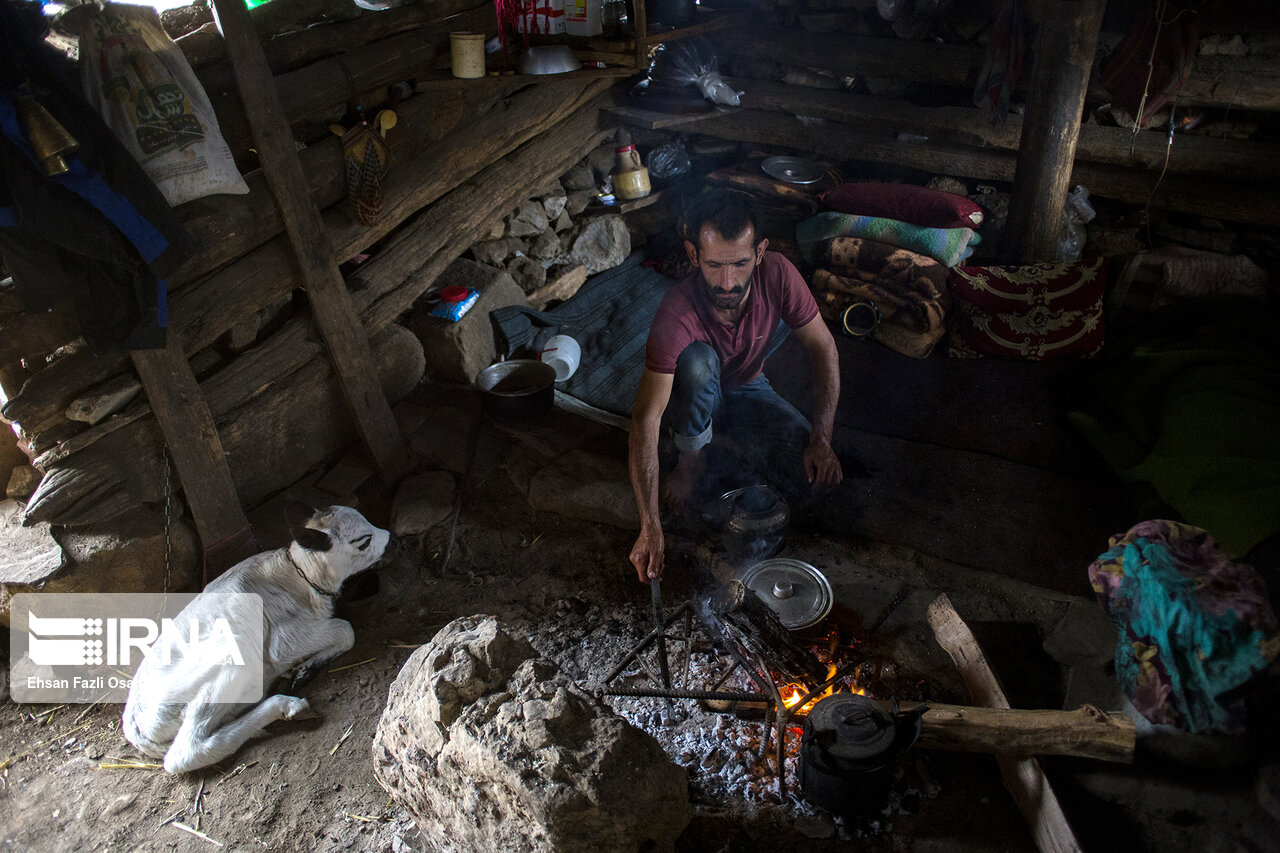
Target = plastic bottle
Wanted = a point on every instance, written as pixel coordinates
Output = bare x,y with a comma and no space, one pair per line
615,19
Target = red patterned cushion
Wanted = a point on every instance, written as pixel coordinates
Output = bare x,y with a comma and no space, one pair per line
905,203
1033,312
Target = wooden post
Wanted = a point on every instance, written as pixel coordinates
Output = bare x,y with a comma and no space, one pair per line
339,326
193,441
1065,46
1024,778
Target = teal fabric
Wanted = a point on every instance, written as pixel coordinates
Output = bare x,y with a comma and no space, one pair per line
948,246
1202,653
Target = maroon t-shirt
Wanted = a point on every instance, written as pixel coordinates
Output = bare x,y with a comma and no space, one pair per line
686,315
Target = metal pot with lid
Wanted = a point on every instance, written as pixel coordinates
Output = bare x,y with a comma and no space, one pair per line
797,592
848,750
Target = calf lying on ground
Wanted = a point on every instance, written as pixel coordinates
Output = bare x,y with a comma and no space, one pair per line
297,585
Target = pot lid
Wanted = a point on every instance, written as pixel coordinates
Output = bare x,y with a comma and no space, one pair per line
796,591
862,728
793,170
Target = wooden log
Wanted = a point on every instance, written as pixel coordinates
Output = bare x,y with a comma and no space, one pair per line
197,453
205,309
1234,159
746,621
323,91
390,283
290,50
1023,777
337,80
1249,82
1251,203
331,305
1068,39
1084,733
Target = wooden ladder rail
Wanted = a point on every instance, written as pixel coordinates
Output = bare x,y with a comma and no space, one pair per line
339,325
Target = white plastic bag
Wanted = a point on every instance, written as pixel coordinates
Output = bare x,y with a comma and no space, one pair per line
140,82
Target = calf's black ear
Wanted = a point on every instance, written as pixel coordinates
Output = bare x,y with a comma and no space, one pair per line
297,514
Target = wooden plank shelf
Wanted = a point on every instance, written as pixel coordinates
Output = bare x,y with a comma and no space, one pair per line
651,120
437,81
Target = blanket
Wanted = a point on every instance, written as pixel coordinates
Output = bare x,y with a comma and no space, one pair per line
948,246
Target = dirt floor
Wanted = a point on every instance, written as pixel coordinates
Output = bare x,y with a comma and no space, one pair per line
71,782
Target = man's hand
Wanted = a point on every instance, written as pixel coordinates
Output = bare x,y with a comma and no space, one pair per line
646,554
821,465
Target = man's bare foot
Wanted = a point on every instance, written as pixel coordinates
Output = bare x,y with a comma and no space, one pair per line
677,493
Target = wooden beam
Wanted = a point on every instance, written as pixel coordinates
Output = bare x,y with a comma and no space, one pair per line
1254,203
1084,733
197,452
1251,82
1065,47
339,326
1023,777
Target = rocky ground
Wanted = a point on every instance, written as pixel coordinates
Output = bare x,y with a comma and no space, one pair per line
69,781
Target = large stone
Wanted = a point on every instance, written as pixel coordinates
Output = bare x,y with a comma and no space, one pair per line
578,200
530,219
528,273
546,246
31,554
495,252
491,748
586,485
457,350
603,244
563,281
603,159
126,554
579,178
553,203
422,502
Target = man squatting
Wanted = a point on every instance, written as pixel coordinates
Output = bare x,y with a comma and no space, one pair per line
703,362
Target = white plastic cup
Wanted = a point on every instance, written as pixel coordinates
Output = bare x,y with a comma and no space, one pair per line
562,353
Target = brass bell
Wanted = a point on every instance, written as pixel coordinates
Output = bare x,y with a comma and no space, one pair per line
47,136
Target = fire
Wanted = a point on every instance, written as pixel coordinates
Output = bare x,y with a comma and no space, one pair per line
792,693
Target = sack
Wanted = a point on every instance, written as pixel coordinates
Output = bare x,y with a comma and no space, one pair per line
906,293
140,82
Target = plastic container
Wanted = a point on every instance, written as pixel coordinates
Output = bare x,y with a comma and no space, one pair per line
454,302
466,50
582,18
563,354
630,177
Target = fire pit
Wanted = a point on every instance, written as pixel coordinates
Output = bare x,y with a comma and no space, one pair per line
743,625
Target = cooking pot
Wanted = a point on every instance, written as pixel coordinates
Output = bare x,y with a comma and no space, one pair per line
753,523
519,388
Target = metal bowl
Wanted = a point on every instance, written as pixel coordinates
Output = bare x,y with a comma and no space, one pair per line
520,388
547,59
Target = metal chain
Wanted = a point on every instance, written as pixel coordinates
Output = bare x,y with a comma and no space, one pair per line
168,519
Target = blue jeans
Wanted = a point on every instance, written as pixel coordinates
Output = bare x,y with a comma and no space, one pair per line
766,435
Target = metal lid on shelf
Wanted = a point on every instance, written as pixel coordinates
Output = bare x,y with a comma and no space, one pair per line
796,591
793,170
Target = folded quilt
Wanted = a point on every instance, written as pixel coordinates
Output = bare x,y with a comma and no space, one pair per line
948,246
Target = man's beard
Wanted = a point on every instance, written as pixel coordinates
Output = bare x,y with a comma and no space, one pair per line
728,300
